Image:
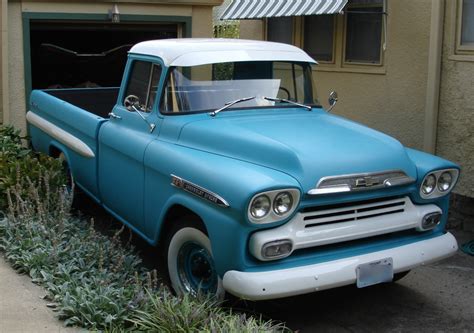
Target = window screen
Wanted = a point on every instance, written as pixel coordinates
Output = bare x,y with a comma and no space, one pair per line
319,36
280,29
467,32
364,34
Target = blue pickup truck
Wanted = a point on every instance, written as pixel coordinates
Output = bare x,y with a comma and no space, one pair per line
219,152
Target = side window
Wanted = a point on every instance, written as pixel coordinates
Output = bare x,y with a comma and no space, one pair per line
142,85
291,78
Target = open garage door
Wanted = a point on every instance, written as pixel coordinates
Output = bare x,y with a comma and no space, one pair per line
68,54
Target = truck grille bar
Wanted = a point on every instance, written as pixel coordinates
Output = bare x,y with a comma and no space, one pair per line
354,213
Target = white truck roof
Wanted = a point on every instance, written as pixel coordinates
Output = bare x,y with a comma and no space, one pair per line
201,51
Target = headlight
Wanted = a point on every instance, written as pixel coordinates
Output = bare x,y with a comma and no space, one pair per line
429,184
445,181
273,206
438,183
260,206
282,203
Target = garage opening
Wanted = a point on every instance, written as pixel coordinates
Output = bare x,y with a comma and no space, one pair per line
68,54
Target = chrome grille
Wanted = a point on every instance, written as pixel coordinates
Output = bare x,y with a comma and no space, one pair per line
352,212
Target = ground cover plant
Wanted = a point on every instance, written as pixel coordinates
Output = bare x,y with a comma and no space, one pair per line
92,279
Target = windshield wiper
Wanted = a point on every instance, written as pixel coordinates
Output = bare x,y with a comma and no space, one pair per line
282,100
229,104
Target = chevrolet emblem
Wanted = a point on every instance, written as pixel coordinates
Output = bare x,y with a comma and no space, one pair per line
366,182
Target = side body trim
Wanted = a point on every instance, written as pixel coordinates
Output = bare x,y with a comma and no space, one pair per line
59,134
198,191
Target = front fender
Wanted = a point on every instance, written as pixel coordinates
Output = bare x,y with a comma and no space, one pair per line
234,180
228,237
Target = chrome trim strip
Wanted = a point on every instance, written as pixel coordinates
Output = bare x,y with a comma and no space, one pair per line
61,135
361,182
329,190
198,191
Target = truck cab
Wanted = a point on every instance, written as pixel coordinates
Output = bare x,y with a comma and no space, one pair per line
220,153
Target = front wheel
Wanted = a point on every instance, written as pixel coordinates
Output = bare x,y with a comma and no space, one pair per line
190,262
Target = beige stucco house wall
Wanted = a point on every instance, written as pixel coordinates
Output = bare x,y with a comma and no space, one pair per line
389,97
13,88
455,139
422,94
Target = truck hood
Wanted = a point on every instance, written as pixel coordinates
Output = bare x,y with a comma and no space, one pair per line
305,145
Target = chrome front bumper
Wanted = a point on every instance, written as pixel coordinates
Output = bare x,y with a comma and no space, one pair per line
306,279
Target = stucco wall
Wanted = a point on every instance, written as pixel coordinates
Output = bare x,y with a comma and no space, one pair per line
394,101
390,98
199,11
3,61
455,139
15,115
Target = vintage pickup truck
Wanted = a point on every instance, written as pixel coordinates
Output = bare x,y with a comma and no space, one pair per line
218,152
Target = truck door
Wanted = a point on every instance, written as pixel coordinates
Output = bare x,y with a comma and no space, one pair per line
123,141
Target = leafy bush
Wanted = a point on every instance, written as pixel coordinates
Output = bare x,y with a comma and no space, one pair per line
16,159
228,29
166,313
92,280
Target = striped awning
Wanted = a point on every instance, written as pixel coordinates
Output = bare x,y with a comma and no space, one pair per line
256,9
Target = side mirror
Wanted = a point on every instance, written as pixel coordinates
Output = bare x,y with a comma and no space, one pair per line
332,100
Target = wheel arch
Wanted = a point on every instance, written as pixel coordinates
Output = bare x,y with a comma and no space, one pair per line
174,213
55,149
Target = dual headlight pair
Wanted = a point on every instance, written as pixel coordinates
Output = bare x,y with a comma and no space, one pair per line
272,206
438,183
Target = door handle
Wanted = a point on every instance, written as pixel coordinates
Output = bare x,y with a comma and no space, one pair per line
114,116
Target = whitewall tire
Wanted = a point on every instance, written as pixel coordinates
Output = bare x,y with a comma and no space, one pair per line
190,263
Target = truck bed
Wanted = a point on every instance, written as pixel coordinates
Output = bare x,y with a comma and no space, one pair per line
98,101
68,121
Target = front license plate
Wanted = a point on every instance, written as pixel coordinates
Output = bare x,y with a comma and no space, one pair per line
374,272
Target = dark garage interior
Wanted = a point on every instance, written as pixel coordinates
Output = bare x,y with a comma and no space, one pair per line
86,54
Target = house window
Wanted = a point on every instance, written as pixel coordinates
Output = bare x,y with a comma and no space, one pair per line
319,37
280,29
467,23
363,32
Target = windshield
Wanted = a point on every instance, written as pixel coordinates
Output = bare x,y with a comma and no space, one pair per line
210,87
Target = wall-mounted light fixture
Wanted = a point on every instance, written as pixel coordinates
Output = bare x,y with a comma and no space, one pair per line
114,14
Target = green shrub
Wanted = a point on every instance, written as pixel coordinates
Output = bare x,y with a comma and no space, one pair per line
92,279
167,313
228,29
19,167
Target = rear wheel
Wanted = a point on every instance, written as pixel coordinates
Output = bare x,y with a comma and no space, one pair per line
190,263
70,187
